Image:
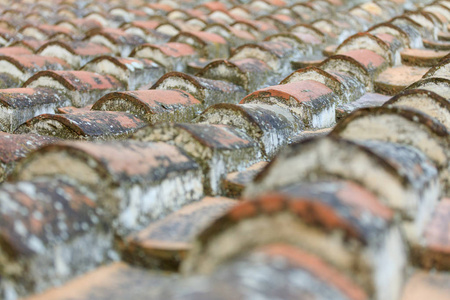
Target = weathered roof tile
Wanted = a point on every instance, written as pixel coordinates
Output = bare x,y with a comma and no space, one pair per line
208,44
164,243
312,101
89,125
152,105
40,217
15,147
74,53
24,66
207,91
19,105
207,144
81,87
173,56
133,72
135,182
425,101
289,214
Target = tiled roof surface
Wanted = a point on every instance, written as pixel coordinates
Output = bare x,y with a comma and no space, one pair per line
238,149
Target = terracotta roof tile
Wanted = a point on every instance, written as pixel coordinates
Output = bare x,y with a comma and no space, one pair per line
19,105
426,101
113,282
73,109
258,28
250,73
24,66
422,57
209,44
391,159
326,206
306,98
90,125
115,39
173,56
393,80
275,54
349,59
152,105
316,266
347,88
434,249
164,243
351,67
442,69
402,126
439,85
234,36
74,53
43,31
80,25
372,62
235,182
366,100
125,175
133,72
207,143
31,238
271,126
207,91
81,87
27,43
15,147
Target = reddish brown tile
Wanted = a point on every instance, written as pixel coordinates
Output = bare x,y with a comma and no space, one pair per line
434,250
425,101
207,143
24,66
353,68
113,281
317,266
173,56
270,126
82,87
74,53
275,54
15,51
235,182
207,91
132,72
249,73
73,109
19,105
152,105
80,25
372,62
422,57
130,178
115,39
92,125
163,244
14,147
208,44
305,98
57,215
393,80
366,100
